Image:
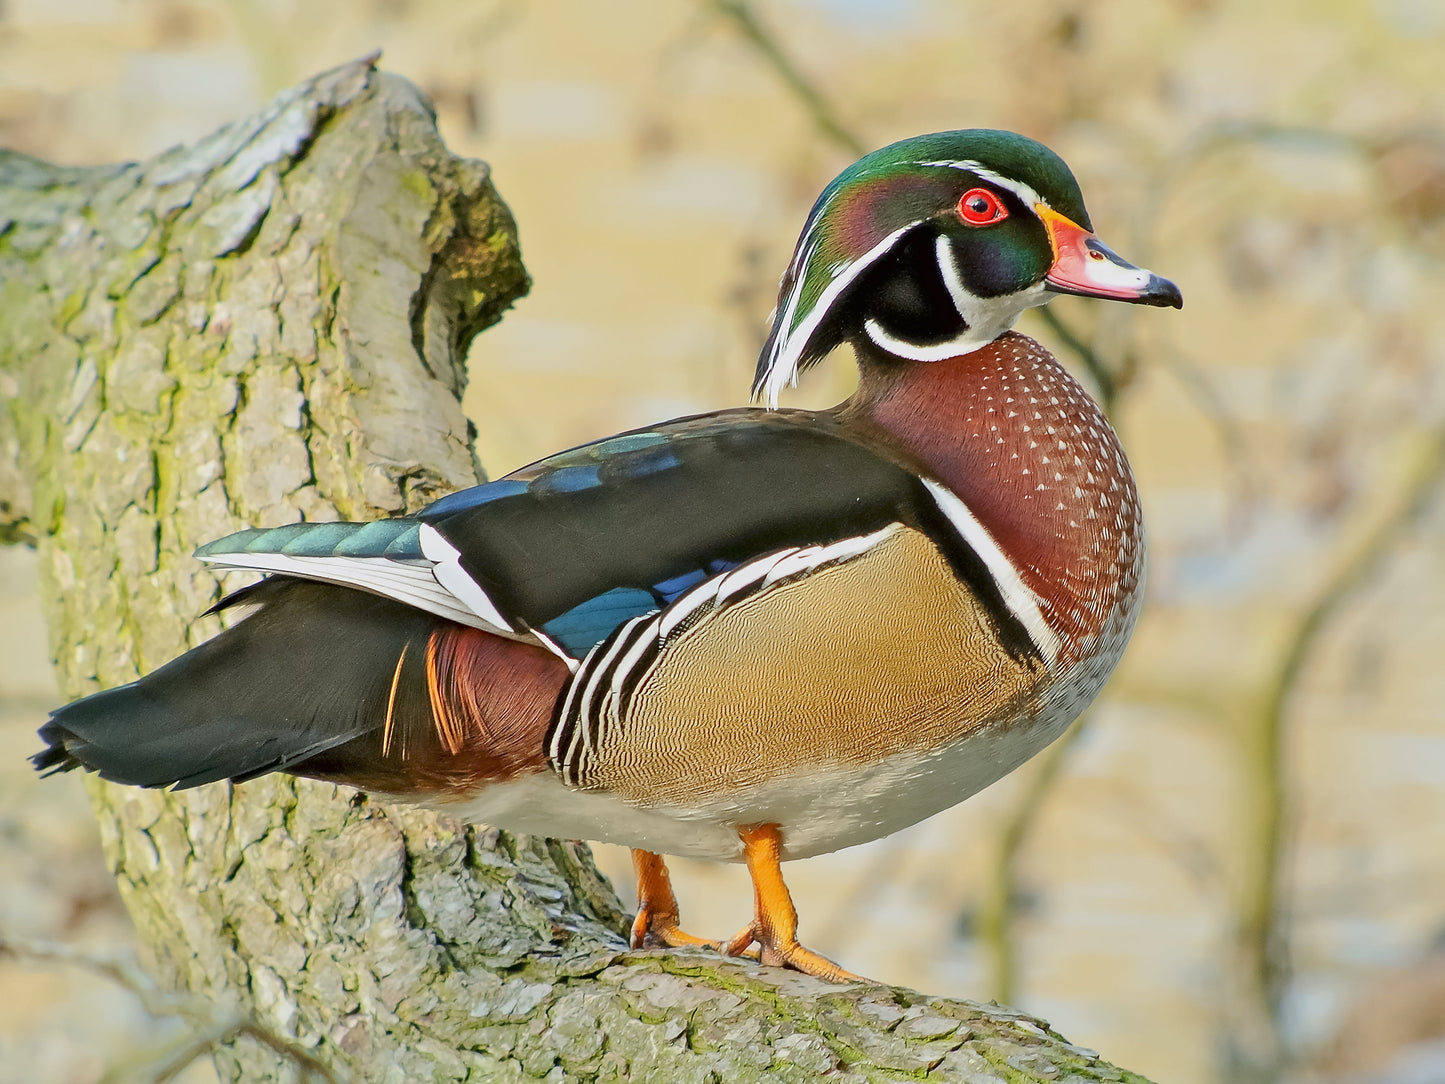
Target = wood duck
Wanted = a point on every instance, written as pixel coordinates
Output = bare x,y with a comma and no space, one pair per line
757,634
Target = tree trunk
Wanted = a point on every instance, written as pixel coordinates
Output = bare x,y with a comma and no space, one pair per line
272,325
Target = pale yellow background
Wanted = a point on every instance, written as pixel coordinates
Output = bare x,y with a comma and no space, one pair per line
660,170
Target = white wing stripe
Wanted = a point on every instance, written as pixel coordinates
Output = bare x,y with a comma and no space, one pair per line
745,576
411,584
849,548
634,655
792,564
1017,595
555,648
592,677
684,606
450,574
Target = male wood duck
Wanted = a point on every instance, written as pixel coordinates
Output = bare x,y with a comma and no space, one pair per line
753,635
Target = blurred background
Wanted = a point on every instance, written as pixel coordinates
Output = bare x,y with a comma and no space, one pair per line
1234,870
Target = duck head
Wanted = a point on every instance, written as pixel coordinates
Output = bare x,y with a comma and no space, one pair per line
932,247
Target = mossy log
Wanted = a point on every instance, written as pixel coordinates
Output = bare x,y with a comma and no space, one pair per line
272,325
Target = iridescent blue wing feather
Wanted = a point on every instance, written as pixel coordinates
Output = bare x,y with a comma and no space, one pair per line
574,546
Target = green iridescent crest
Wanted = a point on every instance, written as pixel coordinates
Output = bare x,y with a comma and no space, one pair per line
873,203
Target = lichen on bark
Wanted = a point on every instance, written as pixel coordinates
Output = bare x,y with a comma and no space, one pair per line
271,325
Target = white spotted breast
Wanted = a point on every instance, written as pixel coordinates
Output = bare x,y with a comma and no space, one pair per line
1021,443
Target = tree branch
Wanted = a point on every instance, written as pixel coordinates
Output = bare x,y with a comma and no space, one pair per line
270,325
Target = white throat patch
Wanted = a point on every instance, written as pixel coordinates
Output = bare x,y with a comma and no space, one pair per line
985,318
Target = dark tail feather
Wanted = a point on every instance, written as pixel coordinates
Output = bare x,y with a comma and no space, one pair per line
323,681
311,670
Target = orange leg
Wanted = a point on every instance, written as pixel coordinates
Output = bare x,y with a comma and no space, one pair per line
775,923
657,906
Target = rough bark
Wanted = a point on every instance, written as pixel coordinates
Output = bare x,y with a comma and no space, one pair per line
269,325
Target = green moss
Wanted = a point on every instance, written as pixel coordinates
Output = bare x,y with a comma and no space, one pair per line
418,184
70,306
130,266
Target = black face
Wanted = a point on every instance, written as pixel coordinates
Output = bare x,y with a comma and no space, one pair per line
903,292
906,294
1008,254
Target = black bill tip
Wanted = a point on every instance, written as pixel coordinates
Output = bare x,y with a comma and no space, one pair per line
1161,292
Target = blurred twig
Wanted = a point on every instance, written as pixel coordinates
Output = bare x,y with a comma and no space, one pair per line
1137,810
825,118
1232,445
270,42
1255,1044
996,911
1261,931
880,872
211,1024
1102,375
1260,935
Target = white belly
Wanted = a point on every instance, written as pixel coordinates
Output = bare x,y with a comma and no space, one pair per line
822,812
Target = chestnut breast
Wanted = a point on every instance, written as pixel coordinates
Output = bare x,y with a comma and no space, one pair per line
1016,437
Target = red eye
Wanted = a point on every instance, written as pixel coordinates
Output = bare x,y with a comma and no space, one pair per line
980,207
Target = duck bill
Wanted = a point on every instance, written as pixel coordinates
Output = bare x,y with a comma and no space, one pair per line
1086,266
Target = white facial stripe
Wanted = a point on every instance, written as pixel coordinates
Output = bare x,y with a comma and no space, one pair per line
987,317
805,253
1017,596
1018,188
447,569
788,350
963,301
807,244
